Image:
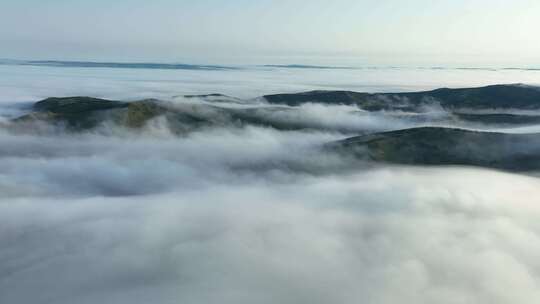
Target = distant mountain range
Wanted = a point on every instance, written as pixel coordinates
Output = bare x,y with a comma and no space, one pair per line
120,65
491,97
429,145
217,67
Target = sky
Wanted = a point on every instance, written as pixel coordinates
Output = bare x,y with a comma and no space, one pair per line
362,32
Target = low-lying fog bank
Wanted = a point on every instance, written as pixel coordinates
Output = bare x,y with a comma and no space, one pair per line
250,206
254,215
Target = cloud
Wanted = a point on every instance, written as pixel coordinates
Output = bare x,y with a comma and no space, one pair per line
438,236
122,162
252,214
234,215
29,84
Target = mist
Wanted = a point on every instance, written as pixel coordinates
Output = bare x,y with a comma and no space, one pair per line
249,214
233,216
27,84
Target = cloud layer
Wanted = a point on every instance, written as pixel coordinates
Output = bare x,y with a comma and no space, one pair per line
250,214
234,216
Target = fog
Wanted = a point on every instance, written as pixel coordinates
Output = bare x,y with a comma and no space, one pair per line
123,220
250,214
31,83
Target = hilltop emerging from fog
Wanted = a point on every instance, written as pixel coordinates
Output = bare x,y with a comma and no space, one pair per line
421,125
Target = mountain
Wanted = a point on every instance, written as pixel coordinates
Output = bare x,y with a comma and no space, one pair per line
78,104
414,146
485,105
84,113
446,146
489,97
493,105
119,65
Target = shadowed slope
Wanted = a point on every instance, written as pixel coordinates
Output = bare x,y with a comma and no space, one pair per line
445,146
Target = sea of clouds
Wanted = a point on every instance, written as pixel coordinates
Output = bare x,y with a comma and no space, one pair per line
246,214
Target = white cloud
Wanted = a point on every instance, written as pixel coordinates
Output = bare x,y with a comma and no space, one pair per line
230,216
382,236
252,215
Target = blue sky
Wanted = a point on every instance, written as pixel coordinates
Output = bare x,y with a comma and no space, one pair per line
241,31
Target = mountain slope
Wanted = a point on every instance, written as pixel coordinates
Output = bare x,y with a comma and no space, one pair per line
489,97
446,146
